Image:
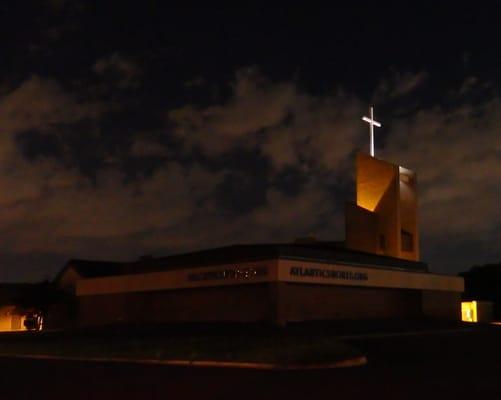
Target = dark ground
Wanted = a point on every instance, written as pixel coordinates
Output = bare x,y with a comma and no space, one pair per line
425,366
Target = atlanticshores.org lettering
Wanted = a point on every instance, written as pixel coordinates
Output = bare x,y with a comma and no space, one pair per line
328,274
238,273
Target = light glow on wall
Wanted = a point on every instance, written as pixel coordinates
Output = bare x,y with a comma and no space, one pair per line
11,319
406,175
469,311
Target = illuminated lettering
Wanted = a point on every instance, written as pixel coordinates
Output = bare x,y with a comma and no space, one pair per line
238,273
328,273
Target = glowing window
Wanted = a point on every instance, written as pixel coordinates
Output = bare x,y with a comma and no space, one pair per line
469,311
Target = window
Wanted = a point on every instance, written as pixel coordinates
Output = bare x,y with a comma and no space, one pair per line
407,241
469,311
382,242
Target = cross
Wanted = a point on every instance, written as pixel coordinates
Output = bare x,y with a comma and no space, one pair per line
372,122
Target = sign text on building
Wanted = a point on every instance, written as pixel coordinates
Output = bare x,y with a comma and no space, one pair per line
328,274
239,273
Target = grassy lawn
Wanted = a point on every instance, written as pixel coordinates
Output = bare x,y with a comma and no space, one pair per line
275,346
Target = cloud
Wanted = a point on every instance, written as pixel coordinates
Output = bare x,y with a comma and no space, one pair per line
147,147
289,150
256,104
468,84
312,203
457,154
400,84
127,72
48,207
322,132
287,126
39,103
65,211
281,218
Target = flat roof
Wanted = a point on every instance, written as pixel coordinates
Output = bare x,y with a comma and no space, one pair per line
320,252
327,252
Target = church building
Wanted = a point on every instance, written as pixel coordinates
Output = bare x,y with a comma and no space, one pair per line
375,273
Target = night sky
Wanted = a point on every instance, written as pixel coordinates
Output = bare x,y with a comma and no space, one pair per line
129,128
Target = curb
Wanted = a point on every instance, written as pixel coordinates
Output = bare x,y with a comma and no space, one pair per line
411,333
347,363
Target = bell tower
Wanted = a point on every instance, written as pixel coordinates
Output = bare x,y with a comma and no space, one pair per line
384,219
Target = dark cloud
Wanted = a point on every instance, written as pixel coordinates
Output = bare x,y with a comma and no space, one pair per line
56,209
148,147
400,84
457,154
290,127
274,163
125,71
129,129
132,129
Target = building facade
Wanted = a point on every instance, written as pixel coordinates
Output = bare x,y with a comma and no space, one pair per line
375,273
266,283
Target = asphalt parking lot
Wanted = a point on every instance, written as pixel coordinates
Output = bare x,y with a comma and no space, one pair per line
443,364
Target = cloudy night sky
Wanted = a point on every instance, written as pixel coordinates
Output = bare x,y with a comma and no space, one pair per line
129,128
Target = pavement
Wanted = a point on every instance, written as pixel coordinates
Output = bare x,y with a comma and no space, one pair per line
444,365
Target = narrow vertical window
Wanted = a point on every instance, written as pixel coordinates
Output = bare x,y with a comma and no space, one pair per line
382,242
407,241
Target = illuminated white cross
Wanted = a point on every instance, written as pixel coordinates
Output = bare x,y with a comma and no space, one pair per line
372,122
